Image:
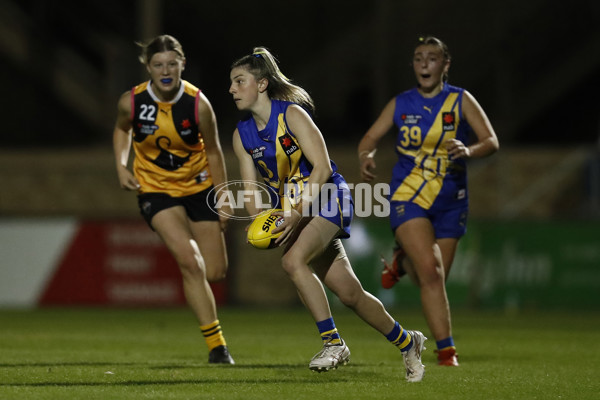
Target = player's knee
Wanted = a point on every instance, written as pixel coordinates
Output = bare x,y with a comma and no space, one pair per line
350,293
291,264
190,260
350,298
216,274
431,274
188,264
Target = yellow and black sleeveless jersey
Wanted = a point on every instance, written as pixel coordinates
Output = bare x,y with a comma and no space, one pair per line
169,150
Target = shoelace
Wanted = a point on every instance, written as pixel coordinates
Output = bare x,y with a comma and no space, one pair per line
329,348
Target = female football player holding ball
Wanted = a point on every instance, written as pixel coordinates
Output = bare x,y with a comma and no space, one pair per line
279,138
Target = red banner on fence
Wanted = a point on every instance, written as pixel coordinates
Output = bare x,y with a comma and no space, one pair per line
120,264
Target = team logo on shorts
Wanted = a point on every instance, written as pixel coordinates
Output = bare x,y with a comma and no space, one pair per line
448,121
400,210
463,219
147,207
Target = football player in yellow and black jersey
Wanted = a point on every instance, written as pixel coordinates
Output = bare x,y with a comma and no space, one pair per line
279,139
428,193
178,159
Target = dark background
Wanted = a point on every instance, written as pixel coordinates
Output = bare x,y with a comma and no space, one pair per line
534,66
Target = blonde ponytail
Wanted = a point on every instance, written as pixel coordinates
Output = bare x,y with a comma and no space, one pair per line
263,65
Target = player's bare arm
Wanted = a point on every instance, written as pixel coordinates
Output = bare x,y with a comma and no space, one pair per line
207,124
122,143
247,170
487,141
368,144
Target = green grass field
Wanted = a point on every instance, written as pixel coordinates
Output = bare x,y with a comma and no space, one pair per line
159,354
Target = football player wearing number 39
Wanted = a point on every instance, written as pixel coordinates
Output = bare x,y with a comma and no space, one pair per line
280,140
174,133
428,193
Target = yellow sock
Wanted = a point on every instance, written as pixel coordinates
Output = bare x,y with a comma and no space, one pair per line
213,335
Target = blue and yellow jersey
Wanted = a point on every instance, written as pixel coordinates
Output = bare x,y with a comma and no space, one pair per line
424,174
169,150
277,155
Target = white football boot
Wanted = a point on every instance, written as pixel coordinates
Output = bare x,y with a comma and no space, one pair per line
412,358
330,357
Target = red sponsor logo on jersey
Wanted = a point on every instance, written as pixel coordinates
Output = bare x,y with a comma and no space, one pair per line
287,144
448,121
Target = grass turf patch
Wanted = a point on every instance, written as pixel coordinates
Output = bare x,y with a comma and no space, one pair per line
160,354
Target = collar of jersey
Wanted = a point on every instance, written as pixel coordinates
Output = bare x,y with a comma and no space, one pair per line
156,99
265,134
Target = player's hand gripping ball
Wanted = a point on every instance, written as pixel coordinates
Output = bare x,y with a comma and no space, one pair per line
259,231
